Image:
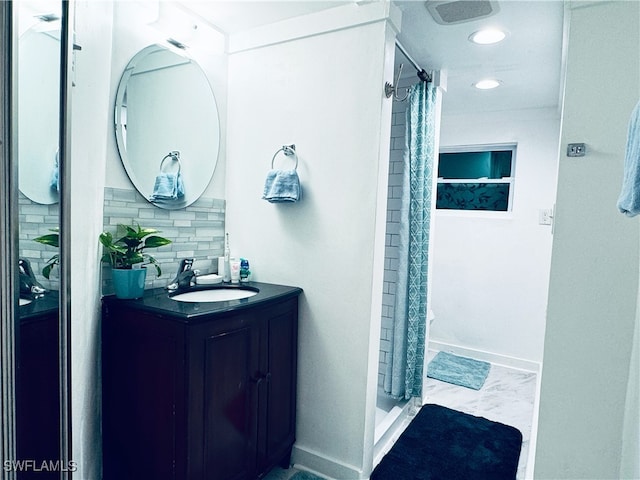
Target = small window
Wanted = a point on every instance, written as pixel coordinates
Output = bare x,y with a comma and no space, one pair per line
476,178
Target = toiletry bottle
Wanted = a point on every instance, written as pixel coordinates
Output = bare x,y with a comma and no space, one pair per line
244,270
221,266
227,258
235,270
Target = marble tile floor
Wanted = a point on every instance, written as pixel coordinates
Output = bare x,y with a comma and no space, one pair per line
507,396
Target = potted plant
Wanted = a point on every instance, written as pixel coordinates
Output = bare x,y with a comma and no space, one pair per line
127,257
53,240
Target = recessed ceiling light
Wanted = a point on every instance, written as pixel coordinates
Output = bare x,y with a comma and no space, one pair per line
487,36
487,84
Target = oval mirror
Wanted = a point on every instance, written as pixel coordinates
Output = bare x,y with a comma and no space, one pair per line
167,127
38,102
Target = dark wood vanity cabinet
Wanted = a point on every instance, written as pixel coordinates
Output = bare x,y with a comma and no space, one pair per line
211,397
38,394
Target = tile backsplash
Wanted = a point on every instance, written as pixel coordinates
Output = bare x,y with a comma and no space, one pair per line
196,231
36,220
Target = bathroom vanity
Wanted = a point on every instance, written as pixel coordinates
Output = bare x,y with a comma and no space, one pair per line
199,390
37,386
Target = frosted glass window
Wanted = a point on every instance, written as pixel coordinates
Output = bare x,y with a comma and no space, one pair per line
476,178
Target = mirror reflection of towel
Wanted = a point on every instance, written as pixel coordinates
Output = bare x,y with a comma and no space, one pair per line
54,183
168,186
282,186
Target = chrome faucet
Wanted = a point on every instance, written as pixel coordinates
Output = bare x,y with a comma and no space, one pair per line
28,282
184,276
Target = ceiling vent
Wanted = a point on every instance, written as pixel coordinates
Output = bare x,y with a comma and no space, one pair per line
460,11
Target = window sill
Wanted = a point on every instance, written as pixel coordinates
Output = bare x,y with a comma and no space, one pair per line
485,214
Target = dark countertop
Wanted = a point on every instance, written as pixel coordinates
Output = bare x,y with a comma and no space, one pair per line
158,300
46,304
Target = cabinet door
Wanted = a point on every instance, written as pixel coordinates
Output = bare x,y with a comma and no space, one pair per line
143,391
38,400
228,368
278,397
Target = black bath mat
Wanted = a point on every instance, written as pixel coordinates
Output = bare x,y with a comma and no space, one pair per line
444,444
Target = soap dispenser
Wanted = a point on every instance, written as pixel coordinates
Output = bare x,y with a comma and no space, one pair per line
227,261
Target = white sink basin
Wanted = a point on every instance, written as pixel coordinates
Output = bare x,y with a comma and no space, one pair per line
25,301
214,295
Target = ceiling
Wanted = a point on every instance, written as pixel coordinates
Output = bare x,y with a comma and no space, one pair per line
528,62
232,16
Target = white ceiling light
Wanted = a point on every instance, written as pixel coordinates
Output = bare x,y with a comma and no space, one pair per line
487,84
487,36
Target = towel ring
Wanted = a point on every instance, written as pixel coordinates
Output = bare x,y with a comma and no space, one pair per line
175,155
288,150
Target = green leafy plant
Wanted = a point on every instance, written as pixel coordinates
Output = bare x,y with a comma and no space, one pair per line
53,240
127,250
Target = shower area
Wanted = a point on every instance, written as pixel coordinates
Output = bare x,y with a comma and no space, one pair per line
405,305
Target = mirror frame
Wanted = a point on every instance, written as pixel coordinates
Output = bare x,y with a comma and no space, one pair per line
9,244
120,137
67,47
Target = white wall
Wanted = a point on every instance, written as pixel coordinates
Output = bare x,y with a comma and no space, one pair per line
491,269
323,92
90,119
630,455
594,270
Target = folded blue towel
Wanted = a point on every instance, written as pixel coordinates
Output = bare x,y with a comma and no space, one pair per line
168,186
629,200
282,186
54,182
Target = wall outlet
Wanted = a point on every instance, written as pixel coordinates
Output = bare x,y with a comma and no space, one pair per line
545,216
576,150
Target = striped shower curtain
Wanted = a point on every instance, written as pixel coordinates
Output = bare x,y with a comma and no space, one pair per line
403,377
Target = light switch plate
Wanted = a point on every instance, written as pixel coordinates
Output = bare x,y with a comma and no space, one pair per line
545,216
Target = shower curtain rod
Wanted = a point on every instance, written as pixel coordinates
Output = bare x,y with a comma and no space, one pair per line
422,73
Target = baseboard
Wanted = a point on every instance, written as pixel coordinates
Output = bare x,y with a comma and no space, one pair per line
533,441
307,459
495,358
400,423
